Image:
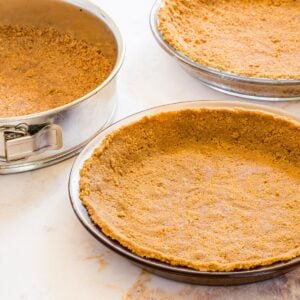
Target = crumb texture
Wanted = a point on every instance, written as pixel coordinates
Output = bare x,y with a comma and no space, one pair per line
210,189
257,38
42,68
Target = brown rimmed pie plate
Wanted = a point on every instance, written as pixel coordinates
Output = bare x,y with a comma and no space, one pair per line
172,272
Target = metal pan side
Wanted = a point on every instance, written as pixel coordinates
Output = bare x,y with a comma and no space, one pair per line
80,120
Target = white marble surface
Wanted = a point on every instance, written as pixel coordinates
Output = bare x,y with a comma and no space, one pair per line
44,251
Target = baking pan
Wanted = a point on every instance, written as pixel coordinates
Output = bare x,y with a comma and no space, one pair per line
160,268
44,138
229,83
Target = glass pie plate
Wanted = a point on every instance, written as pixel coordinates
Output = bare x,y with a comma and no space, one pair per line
162,269
229,83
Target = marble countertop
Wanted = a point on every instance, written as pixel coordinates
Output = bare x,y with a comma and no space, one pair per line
45,253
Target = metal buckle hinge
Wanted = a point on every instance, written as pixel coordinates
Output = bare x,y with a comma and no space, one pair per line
18,142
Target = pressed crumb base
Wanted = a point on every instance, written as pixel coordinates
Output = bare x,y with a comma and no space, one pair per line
212,190
47,69
256,38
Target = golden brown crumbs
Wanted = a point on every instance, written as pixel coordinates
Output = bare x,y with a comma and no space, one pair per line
209,189
42,68
257,38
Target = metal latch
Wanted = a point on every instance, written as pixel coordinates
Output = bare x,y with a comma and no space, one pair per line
22,141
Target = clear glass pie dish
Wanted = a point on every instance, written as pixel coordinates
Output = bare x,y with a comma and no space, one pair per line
226,82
